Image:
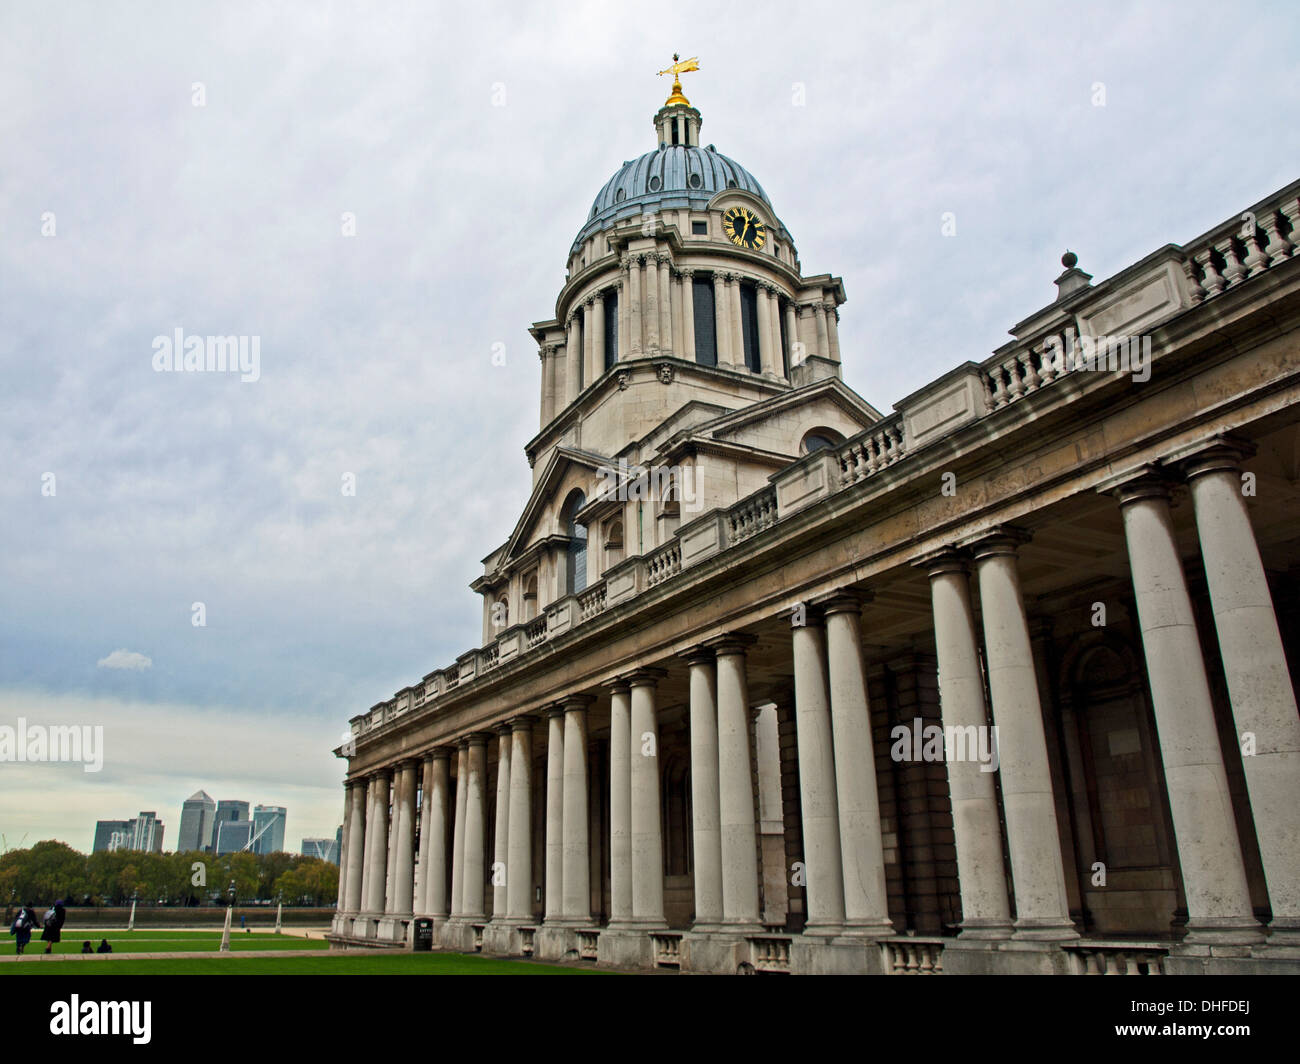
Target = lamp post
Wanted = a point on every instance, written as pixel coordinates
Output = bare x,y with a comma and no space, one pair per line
130,924
230,911
279,908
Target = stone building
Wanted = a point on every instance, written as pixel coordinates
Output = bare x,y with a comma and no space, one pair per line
770,680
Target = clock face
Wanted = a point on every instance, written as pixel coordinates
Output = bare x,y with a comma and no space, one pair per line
744,229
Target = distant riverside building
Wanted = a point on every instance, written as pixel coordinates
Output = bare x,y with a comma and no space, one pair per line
105,831
198,815
232,836
268,828
325,849
144,832
951,689
226,811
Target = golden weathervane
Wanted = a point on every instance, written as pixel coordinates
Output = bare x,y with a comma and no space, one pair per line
677,70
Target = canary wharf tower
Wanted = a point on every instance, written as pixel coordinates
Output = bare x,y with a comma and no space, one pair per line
770,680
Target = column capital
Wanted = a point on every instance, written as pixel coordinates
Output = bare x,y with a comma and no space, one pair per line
502,730
590,300
687,272
553,710
1219,455
731,643
944,560
1002,541
617,686
440,753
575,702
522,723
478,738
625,262
846,600
699,655
1133,485
646,677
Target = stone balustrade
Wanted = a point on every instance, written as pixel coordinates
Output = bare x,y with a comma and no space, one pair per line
663,562
913,956
751,515
1118,958
869,452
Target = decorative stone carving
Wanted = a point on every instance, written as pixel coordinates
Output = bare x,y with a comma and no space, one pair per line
624,379
665,370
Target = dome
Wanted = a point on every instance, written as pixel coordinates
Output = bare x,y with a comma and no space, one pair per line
672,176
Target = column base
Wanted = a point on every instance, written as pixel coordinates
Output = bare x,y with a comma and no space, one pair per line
871,931
1284,935
513,938
463,934
365,925
626,946
1224,931
985,930
822,929
1045,931
394,927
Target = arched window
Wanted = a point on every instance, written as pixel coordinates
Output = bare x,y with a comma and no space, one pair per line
613,542
501,613
820,438
530,597
576,568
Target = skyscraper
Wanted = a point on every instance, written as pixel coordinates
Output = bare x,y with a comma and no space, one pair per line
268,828
144,832
198,816
106,831
232,836
325,849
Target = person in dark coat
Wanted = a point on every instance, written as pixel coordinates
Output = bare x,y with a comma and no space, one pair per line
104,947
53,925
22,927
85,948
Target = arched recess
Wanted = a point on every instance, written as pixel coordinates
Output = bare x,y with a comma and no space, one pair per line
820,438
575,568
1125,852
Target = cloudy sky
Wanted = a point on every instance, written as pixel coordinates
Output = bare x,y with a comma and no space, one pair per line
466,142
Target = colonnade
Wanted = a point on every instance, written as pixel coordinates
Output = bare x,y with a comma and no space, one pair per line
656,316
986,677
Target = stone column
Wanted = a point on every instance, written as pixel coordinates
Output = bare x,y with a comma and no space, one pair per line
598,337
739,834
687,350
666,345
650,312
977,834
555,814
722,316
343,853
404,842
791,332
1209,851
705,801
833,332
647,839
765,330
435,883
548,384
458,836
376,873
737,329
1255,666
577,854
501,827
475,823
774,303
572,359
808,331
367,847
421,891
823,331
866,900
634,306
620,804
823,861
1042,905
519,861
589,373
390,873
356,850
623,331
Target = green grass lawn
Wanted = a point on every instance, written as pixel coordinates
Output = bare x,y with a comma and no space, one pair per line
150,941
338,963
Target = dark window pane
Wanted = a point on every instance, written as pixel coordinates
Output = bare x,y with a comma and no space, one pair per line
611,329
749,324
699,228
706,323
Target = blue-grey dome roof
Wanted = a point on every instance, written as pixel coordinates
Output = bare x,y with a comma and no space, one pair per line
672,176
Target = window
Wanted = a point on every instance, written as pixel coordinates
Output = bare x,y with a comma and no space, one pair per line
530,597
611,328
656,184
576,560
699,228
695,181
706,324
620,196
749,324
818,439
613,542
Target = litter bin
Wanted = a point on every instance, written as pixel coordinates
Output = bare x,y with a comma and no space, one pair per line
422,941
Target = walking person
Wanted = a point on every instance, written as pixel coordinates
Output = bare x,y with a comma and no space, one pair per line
53,926
22,927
